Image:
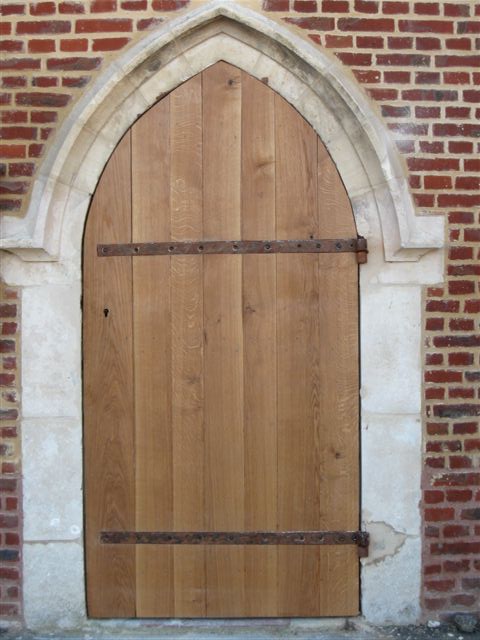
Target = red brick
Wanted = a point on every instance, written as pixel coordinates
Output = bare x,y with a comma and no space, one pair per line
426,8
134,5
43,26
469,182
471,95
460,462
439,585
335,6
103,6
19,64
455,548
13,117
71,7
109,44
12,150
432,569
462,600
305,6
400,43
44,117
468,27
394,8
43,99
435,604
339,42
435,393
397,77
428,44
443,306
425,26
455,531
35,150
433,497
460,146
18,133
458,200
359,59
276,5
42,8
73,64
461,287
459,495
96,25
472,165
456,10
366,24
457,61
151,23
459,44
472,445
78,44
45,82
11,45
435,463
12,8
403,59
436,95
456,77
41,46
313,24
366,6
425,145
370,42
438,182
168,5
435,358
455,566
437,429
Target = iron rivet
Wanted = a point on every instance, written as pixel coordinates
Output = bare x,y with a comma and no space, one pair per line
137,249
267,247
338,245
171,248
104,249
235,247
200,247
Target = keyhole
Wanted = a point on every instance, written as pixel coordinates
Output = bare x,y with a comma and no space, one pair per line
106,312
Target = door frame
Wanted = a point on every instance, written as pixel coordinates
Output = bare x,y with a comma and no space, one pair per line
403,256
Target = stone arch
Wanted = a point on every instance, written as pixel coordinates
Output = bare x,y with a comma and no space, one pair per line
312,81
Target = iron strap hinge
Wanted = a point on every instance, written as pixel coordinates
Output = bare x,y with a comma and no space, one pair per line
359,538
312,245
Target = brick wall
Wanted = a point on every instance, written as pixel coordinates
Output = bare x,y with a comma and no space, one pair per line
419,63
10,479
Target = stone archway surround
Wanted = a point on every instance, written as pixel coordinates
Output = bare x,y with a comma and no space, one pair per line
45,259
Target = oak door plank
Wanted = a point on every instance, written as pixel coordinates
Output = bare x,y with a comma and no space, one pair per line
186,180
224,437
259,339
153,359
108,398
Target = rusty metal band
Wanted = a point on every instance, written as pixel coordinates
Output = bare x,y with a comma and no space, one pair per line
355,245
359,538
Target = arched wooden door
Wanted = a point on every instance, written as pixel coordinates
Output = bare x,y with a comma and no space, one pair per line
220,381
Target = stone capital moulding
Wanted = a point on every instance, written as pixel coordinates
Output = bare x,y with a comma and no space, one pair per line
312,81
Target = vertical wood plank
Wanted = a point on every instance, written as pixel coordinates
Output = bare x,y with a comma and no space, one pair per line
259,338
186,176
108,398
224,438
335,215
153,359
297,357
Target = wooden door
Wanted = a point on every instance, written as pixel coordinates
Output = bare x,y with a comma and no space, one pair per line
220,391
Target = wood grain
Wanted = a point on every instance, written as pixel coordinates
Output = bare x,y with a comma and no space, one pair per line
224,463
186,180
259,339
221,391
153,359
108,397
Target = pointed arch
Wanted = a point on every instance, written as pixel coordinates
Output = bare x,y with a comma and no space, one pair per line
314,83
